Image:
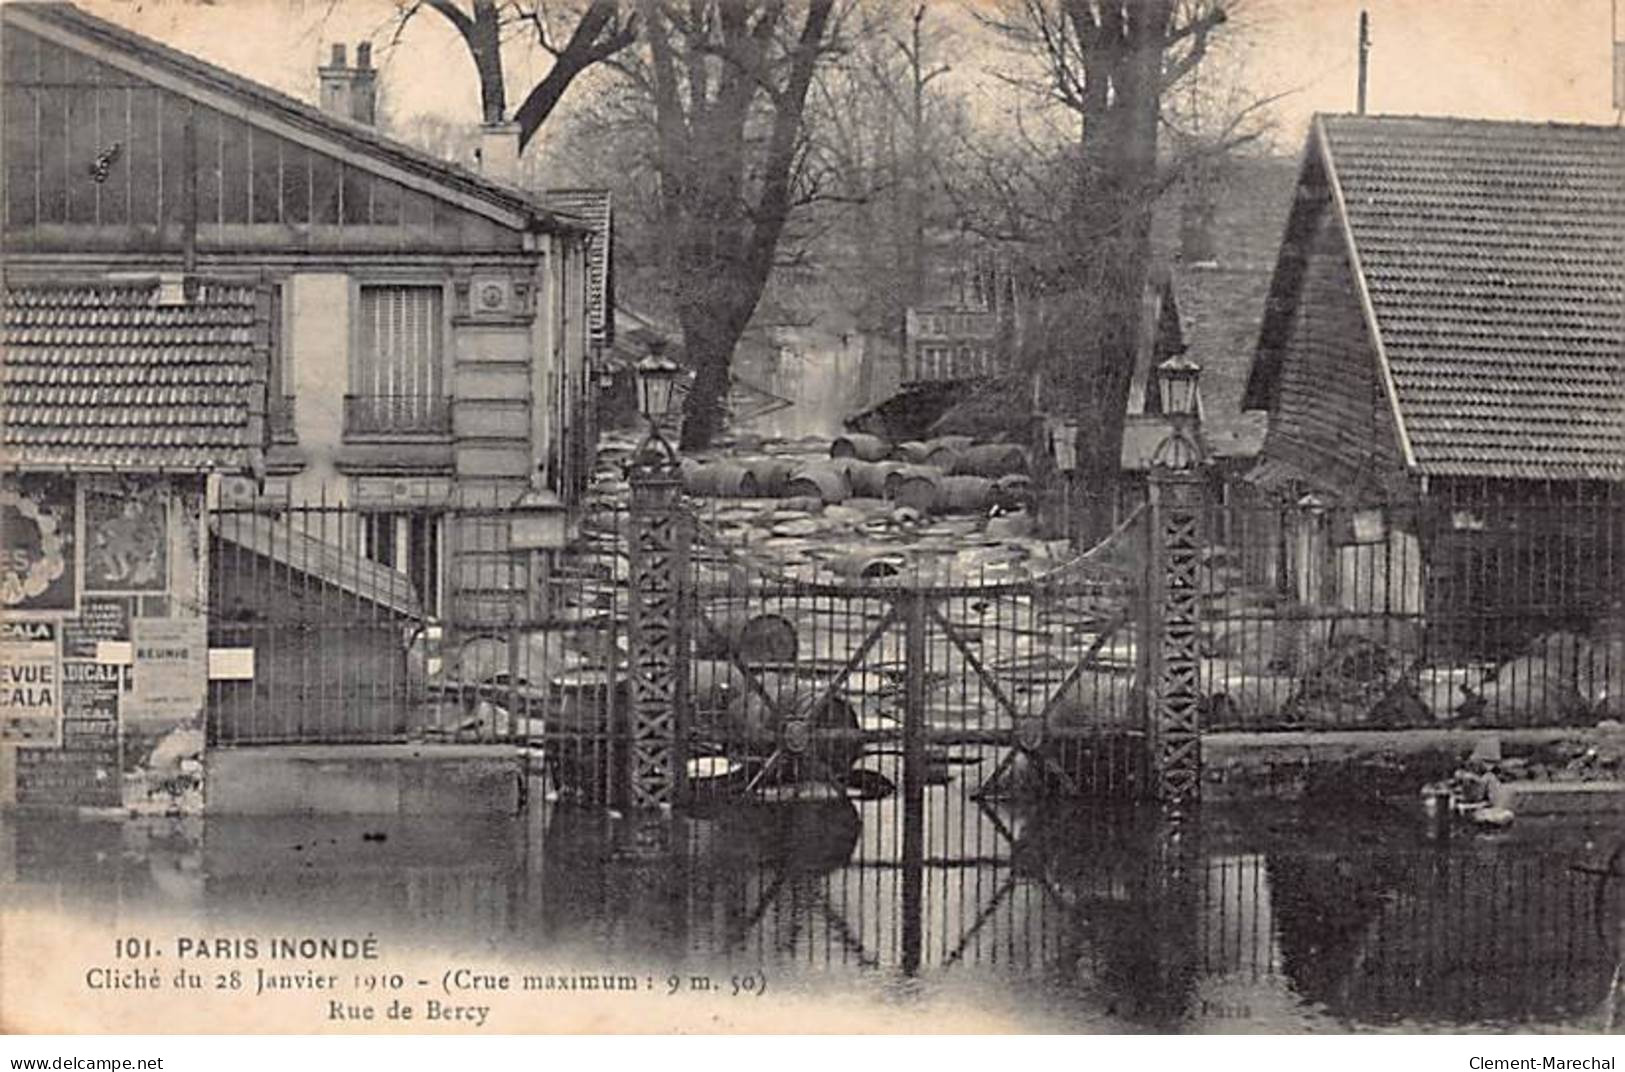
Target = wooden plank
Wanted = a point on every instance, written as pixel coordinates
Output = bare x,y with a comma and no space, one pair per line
53,158
21,148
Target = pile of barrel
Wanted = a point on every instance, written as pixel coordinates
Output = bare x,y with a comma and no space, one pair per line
947,475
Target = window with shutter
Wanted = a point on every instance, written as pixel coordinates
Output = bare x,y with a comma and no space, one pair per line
397,372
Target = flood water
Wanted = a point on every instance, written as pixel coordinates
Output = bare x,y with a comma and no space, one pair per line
1053,918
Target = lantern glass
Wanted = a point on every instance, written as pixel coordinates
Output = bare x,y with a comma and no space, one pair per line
657,381
1178,384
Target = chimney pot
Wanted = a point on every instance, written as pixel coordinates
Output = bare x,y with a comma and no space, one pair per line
350,92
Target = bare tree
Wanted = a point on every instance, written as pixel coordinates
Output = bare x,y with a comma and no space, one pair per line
1110,65
576,37
879,127
728,83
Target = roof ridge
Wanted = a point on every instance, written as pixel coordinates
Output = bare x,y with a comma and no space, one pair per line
1414,117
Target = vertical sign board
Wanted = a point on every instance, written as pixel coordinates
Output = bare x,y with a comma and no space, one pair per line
30,682
171,668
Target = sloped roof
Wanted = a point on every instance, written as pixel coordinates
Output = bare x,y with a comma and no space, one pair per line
1221,302
593,208
499,198
98,374
1492,255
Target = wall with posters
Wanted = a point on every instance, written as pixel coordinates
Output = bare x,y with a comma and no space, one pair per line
103,649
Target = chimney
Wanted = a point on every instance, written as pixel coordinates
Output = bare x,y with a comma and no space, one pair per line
499,152
350,92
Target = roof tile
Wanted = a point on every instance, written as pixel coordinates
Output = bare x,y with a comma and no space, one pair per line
99,374
1494,254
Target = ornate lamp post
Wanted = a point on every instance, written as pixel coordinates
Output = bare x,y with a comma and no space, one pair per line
659,553
1178,505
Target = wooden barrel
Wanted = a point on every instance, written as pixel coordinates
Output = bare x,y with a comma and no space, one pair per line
755,638
919,488
868,479
1013,490
913,452
869,448
864,566
895,478
944,456
990,460
945,451
725,480
770,474
827,481
750,724
965,494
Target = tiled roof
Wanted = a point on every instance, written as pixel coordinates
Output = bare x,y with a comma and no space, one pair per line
357,136
98,374
1494,256
592,207
1221,302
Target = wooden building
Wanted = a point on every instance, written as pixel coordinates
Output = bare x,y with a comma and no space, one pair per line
123,399
430,325
1443,362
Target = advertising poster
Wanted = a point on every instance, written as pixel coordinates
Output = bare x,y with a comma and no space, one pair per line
37,532
170,670
126,536
30,682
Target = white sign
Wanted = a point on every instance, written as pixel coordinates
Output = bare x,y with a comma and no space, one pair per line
171,660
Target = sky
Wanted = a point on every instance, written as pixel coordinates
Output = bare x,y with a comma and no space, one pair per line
1518,59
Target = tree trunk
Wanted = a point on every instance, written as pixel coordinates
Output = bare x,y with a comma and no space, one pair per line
710,344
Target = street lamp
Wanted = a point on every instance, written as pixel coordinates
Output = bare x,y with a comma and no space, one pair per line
657,389
1178,519
1179,384
658,539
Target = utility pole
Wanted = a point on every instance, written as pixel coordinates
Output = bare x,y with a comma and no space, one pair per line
1365,52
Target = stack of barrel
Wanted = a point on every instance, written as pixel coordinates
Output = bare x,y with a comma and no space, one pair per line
946,475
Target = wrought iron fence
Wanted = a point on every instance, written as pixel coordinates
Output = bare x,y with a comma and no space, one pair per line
874,671
1485,605
417,621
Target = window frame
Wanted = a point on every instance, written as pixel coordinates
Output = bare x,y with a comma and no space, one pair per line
400,279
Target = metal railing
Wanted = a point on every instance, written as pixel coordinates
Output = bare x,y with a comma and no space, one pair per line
412,414
1486,606
418,622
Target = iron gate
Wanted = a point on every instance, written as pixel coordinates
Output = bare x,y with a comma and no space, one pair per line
984,681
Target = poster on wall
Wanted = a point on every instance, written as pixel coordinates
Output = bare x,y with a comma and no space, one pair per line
126,536
37,544
30,682
171,668
100,620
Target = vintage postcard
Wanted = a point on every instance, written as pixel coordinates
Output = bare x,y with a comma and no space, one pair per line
812,516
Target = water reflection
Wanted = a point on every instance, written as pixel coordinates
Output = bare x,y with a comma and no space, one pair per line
1082,918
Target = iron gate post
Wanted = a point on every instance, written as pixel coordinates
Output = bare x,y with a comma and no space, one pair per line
914,773
658,546
1178,509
